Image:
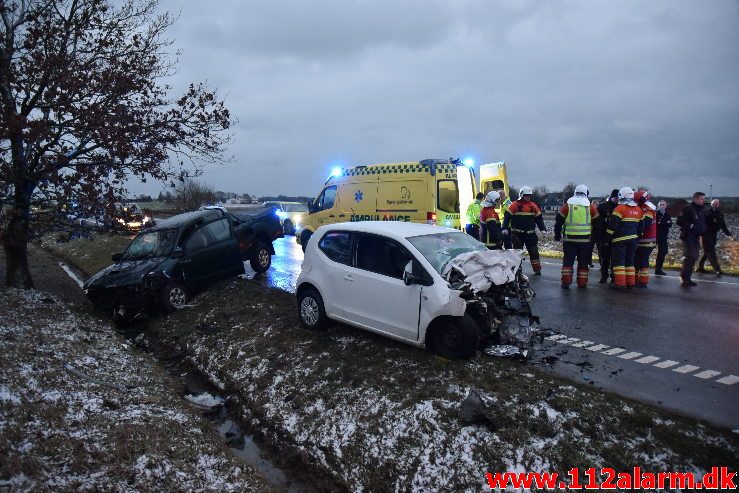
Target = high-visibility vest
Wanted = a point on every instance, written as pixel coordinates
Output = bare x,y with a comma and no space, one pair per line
578,221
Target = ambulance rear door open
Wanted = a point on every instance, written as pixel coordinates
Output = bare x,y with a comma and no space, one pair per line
493,176
467,191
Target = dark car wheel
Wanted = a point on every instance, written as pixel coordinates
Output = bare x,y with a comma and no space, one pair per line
261,259
174,296
456,338
304,237
288,227
311,311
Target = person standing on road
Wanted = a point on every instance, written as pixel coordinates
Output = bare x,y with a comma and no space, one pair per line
592,243
505,203
625,227
520,221
648,239
715,222
575,223
490,233
473,216
692,222
605,210
664,223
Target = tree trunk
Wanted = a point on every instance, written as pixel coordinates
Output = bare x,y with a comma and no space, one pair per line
15,241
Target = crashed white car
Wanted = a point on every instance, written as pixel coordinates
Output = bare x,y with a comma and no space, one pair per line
424,285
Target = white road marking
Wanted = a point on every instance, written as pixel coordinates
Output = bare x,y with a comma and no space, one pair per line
71,274
583,344
666,364
686,369
614,351
728,380
647,359
706,374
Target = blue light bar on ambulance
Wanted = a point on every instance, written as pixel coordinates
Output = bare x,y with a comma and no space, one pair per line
469,162
336,171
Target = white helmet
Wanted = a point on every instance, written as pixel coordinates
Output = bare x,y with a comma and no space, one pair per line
524,191
582,190
491,198
626,194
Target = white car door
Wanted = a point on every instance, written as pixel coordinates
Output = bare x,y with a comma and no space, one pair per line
375,296
334,248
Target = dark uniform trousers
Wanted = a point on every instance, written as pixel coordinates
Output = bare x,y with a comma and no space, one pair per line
691,246
662,249
709,252
575,250
473,230
605,252
531,242
624,253
641,262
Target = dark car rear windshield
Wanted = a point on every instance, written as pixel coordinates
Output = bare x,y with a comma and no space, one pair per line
151,244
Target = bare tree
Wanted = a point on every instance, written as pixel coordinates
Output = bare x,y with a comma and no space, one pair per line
83,108
191,194
568,191
539,192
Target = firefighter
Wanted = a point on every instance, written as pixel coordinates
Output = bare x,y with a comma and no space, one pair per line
648,240
575,223
622,234
505,202
473,216
520,221
490,233
605,209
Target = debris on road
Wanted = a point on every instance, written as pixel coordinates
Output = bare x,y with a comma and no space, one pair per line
505,350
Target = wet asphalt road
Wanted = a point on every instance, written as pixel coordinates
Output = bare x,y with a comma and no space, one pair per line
666,345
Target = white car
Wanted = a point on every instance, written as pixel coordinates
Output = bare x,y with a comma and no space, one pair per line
386,277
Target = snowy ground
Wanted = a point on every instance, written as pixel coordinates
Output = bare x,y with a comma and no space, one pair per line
380,416
80,410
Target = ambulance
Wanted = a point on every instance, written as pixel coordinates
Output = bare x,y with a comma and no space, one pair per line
431,191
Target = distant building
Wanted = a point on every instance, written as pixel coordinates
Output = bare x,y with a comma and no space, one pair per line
551,202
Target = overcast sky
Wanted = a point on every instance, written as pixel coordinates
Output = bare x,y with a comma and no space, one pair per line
602,93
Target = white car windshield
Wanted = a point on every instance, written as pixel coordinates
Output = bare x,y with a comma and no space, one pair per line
151,244
442,247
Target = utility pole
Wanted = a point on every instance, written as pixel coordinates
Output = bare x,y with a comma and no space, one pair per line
711,191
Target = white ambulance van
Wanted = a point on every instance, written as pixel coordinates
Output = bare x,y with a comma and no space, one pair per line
432,191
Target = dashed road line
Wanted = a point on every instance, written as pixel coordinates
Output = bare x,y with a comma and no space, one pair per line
638,357
706,374
686,369
666,364
614,351
728,380
647,360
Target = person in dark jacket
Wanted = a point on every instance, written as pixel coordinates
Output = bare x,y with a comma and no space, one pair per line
605,209
714,223
664,223
692,222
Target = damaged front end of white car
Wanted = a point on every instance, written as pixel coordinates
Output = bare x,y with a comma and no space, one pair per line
498,296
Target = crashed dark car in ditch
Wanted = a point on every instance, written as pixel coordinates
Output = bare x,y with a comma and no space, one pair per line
424,285
164,265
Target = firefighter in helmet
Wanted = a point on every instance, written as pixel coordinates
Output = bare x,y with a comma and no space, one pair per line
520,220
574,224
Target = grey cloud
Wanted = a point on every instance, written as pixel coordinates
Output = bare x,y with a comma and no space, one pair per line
606,93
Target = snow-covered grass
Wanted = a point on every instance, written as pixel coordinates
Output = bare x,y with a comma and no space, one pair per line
381,416
81,410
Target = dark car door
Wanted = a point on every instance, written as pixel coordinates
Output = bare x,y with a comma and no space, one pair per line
211,253
225,251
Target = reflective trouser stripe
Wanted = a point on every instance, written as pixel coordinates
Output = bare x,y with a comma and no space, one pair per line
630,276
643,276
582,277
566,276
619,275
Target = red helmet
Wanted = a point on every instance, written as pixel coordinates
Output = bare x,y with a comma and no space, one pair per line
642,197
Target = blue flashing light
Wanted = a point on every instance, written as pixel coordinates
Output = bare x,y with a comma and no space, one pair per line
469,162
336,171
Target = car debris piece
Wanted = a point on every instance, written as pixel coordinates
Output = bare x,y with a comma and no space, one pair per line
505,351
205,401
474,410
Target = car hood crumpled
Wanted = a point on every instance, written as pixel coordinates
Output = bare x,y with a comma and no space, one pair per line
123,273
481,270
